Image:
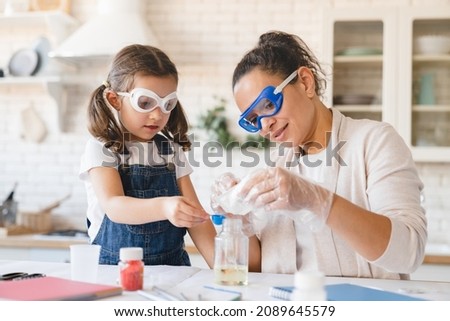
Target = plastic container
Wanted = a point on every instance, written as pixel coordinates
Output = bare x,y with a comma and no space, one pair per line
131,268
309,286
231,254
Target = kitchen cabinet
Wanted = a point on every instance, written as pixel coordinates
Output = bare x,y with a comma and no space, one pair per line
376,72
426,125
57,26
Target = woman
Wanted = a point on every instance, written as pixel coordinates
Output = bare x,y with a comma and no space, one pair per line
346,191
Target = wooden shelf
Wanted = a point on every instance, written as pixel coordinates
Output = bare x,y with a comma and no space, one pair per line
33,17
59,25
29,80
431,108
359,108
431,58
366,59
436,259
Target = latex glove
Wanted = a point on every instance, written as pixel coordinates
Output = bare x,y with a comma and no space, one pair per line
220,186
278,190
223,201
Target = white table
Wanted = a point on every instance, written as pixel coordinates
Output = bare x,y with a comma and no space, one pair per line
188,280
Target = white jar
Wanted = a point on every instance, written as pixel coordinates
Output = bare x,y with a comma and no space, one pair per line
309,286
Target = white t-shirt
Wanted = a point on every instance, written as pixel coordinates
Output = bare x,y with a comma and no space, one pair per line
97,155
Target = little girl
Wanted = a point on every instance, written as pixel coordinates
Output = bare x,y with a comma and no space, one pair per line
134,168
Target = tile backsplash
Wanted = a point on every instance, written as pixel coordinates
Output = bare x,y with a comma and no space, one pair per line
205,39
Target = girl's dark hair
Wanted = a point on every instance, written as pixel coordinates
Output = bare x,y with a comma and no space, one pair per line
280,53
129,62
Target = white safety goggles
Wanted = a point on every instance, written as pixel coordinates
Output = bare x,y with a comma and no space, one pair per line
144,100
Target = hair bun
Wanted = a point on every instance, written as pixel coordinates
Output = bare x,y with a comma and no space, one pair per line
276,39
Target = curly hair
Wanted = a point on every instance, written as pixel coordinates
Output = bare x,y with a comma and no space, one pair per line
281,53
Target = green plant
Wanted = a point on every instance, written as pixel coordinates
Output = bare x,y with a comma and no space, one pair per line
214,122
256,140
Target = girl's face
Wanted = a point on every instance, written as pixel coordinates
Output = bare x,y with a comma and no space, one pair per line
144,126
294,123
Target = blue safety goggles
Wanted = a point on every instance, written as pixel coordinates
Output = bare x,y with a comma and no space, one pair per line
267,104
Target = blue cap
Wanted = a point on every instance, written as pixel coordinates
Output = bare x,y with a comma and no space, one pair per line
217,219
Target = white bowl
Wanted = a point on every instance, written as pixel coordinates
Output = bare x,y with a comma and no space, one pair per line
432,44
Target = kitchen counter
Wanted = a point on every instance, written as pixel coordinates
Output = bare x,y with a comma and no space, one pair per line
41,241
435,253
56,242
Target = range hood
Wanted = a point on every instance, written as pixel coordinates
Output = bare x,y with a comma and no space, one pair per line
117,24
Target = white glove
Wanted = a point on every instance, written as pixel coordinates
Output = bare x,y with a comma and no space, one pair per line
278,190
221,185
224,200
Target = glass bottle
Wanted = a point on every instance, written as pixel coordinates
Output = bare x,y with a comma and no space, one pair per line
231,254
309,286
131,268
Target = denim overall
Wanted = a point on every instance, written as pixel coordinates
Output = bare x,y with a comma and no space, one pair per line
163,243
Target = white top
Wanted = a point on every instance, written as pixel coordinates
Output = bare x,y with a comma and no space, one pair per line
377,172
97,155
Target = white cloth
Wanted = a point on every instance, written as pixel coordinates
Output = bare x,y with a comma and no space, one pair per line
97,155
379,174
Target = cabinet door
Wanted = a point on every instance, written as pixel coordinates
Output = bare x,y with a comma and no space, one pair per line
360,48
424,82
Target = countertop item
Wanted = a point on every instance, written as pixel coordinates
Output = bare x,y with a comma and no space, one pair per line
42,46
24,62
432,44
353,99
359,51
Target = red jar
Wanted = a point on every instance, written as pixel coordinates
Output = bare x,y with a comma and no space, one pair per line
131,268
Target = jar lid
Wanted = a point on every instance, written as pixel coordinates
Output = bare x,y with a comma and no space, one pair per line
131,253
309,280
217,219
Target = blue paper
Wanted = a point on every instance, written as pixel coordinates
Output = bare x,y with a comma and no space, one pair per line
348,292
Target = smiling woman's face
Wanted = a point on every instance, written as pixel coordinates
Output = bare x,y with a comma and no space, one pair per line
294,122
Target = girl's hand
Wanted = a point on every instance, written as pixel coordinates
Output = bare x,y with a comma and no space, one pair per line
183,213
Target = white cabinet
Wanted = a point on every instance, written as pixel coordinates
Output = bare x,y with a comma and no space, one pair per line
424,86
376,72
361,49
56,25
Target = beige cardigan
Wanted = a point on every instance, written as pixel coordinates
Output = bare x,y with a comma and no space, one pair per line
379,175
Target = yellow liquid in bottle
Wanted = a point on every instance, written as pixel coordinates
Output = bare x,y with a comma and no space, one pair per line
231,275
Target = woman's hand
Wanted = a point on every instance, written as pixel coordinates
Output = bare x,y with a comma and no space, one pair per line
182,212
220,186
277,189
